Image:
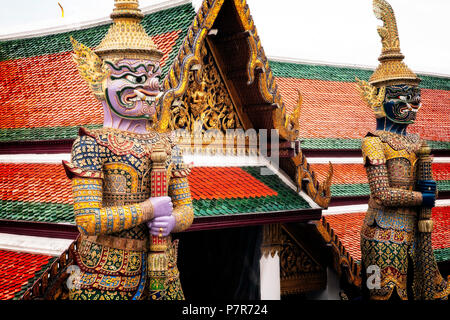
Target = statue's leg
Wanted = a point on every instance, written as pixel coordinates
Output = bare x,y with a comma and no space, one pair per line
386,262
174,290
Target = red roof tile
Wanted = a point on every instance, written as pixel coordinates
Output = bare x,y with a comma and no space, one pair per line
47,91
334,109
17,269
226,183
34,183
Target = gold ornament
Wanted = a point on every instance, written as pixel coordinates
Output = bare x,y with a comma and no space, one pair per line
91,68
373,97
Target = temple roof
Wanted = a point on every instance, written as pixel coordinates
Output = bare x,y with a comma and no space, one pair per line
39,76
42,193
45,100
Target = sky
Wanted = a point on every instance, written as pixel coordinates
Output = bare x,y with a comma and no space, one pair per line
328,31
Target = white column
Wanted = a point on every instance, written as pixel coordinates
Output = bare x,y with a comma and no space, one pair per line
270,277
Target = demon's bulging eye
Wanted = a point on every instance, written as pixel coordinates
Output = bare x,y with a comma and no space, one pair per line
136,79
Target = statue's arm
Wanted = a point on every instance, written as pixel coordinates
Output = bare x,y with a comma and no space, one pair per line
93,219
377,175
87,189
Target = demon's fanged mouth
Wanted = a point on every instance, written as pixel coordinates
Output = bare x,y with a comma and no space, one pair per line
139,94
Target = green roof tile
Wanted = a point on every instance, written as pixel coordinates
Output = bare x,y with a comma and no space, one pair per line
442,255
172,19
36,211
41,134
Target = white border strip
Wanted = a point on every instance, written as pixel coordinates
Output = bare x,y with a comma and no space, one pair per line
363,208
321,160
34,158
443,203
31,244
88,24
345,209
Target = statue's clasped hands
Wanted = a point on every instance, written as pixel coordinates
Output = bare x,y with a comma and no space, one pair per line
163,221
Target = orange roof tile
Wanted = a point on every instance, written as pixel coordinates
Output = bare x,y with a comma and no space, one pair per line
226,183
348,226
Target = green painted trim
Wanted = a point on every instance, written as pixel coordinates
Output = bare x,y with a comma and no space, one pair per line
42,133
36,211
363,189
330,144
343,74
443,185
353,144
442,255
350,190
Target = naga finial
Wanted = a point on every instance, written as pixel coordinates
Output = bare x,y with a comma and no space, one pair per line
392,70
388,32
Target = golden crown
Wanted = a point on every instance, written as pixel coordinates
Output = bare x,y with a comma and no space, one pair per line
126,38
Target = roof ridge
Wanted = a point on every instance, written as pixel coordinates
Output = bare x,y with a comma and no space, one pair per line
89,23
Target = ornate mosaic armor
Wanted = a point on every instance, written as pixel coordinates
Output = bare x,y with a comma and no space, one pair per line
388,232
110,172
130,189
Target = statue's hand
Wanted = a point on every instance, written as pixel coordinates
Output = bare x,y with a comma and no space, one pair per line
427,186
162,226
162,206
428,189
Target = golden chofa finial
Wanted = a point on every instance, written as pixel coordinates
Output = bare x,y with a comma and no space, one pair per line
126,38
392,70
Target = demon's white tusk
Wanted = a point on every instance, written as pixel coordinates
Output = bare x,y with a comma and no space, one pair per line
140,95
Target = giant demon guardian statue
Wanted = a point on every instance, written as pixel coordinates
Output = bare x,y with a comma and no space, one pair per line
396,233
130,187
